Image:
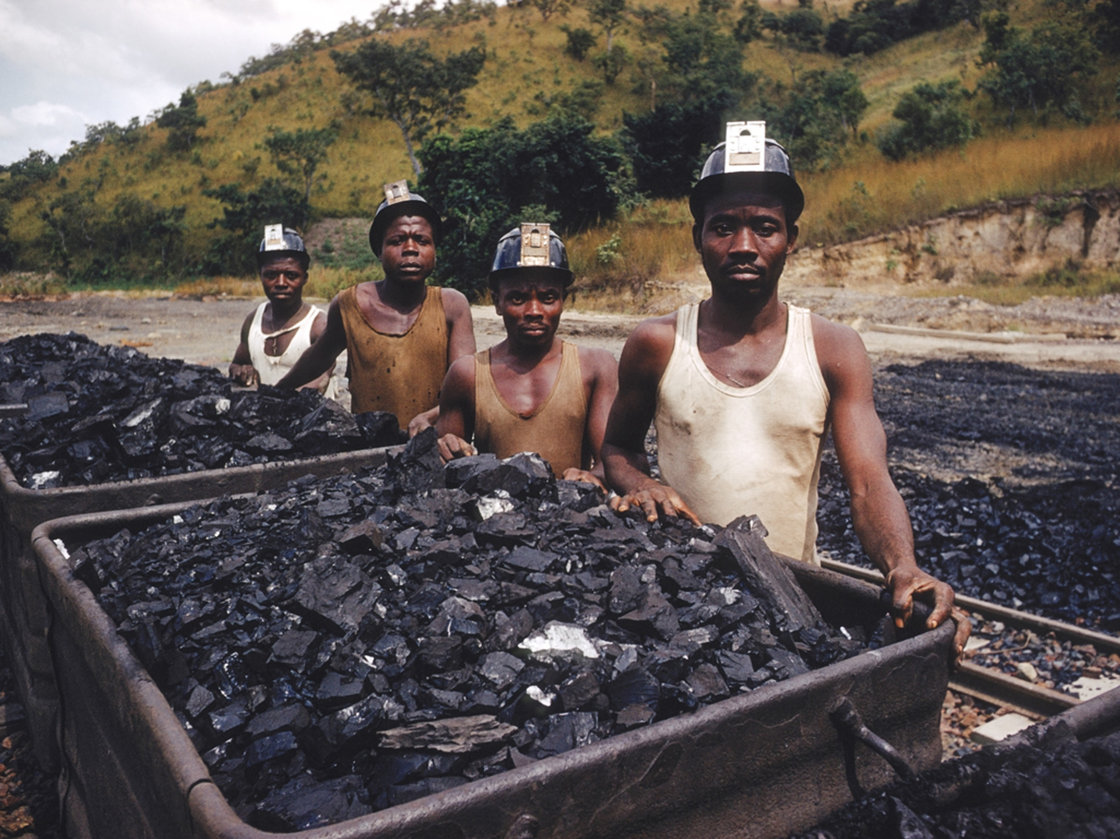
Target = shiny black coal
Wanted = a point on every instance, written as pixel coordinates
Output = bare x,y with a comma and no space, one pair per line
1044,784
358,642
1043,535
97,414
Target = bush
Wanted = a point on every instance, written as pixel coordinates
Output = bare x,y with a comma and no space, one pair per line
930,117
488,180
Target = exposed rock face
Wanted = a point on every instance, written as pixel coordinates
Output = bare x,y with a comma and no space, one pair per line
1006,239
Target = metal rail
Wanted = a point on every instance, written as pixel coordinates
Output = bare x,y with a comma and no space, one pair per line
992,685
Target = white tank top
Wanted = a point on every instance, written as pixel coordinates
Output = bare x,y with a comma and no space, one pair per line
273,367
732,451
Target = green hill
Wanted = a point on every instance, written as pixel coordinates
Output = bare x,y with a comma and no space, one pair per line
151,203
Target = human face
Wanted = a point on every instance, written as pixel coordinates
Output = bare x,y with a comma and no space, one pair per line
283,279
530,305
743,242
408,251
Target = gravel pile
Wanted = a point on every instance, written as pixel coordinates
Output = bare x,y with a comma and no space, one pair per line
98,414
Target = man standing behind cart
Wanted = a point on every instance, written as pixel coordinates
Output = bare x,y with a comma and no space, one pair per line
278,331
532,391
400,334
743,388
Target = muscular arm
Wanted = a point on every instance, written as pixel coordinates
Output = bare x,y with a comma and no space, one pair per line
320,356
643,361
318,327
460,342
455,424
241,368
879,514
600,372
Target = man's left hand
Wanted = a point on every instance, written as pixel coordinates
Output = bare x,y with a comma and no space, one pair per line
907,584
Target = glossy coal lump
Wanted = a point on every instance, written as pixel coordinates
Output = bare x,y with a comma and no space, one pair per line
97,414
356,642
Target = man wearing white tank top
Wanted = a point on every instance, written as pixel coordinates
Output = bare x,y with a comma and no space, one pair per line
743,388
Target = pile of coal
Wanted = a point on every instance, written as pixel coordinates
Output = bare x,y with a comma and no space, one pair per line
357,642
97,414
1045,783
1044,536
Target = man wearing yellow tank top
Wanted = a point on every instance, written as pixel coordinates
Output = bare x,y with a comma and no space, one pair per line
532,391
743,388
399,333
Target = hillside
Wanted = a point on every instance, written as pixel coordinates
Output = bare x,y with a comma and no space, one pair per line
529,74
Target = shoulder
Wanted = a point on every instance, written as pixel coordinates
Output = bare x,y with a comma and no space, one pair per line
652,340
461,373
840,352
595,361
454,302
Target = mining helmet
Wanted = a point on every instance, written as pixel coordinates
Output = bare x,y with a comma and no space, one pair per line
400,201
749,159
532,246
282,241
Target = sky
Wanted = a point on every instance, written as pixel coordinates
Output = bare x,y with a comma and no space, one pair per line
66,64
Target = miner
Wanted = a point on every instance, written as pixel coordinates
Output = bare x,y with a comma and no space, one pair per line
400,334
532,391
743,387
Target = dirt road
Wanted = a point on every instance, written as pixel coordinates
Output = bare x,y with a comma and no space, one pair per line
893,327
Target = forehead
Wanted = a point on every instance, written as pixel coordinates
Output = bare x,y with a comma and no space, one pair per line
409,224
282,263
745,203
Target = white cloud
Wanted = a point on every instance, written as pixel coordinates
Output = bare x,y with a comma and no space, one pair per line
80,63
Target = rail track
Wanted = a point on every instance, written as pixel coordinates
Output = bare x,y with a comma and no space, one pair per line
991,670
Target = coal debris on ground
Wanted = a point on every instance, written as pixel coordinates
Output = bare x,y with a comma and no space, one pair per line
1042,535
1043,783
348,644
97,414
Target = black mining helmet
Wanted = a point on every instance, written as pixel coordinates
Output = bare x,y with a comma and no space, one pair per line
400,201
282,241
748,159
532,246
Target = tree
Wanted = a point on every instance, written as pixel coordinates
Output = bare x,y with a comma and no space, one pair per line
182,122
37,168
410,86
667,145
1041,69
487,180
244,215
548,8
580,41
930,117
299,153
817,118
610,15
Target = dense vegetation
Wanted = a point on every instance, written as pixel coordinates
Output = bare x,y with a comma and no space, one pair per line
591,114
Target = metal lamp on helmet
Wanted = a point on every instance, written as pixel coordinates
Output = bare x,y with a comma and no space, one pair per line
530,247
748,159
400,201
279,242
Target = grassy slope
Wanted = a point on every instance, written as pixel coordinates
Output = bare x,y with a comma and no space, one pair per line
525,63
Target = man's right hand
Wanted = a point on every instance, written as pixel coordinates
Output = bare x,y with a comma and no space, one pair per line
244,374
655,499
452,446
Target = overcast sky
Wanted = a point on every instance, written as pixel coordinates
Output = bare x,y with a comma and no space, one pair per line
66,64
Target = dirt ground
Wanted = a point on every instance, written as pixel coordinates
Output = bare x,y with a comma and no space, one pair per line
1044,332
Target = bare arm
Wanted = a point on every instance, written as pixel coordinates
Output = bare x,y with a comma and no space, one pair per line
879,514
318,327
241,368
600,371
460,342
455,424
643,361
320,356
